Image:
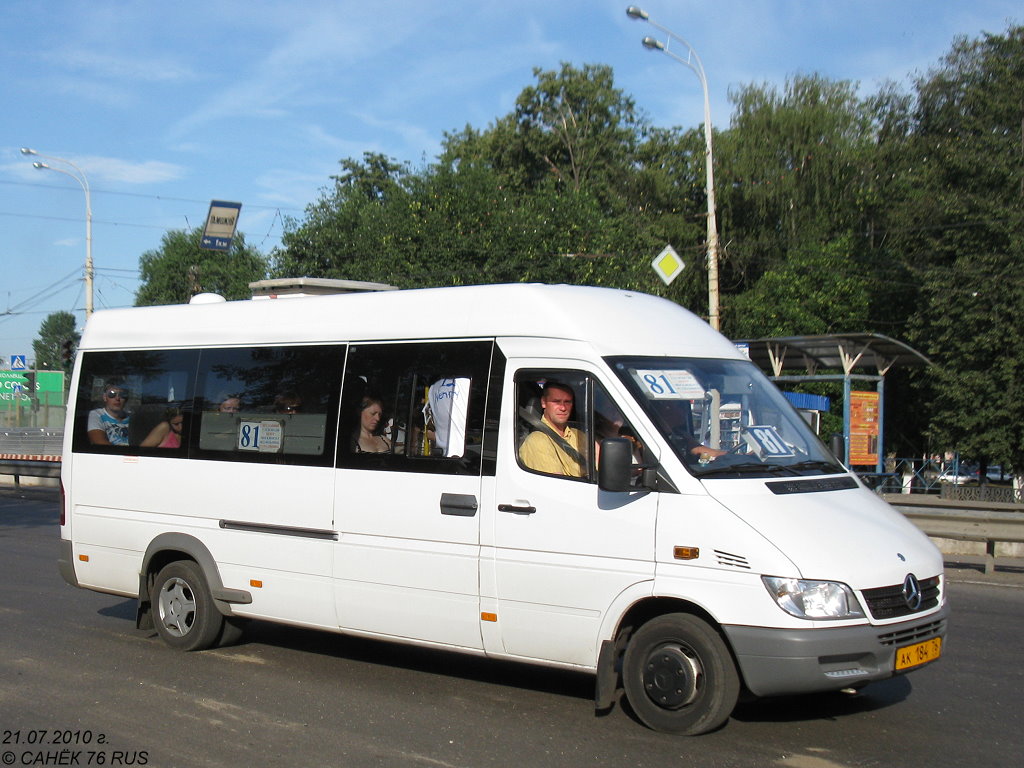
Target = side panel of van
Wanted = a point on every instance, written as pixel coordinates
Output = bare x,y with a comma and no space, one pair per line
263,512
406,564
563,550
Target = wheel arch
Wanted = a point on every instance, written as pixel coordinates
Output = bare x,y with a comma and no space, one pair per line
609,665
170,547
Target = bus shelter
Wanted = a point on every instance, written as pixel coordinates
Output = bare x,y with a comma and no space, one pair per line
862,357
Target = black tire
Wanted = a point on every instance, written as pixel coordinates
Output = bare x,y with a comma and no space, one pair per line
679,676
183,610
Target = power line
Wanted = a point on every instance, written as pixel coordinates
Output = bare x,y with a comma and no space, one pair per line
112,223
140,194
46,293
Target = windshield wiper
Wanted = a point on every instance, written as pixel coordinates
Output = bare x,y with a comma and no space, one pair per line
826,466
748,467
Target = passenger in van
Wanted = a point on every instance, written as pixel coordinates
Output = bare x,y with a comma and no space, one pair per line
287,402
166,434
368,439
554,447
109,425
230,404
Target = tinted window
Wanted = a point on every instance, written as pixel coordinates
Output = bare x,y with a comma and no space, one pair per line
562,416
135,402
416,407
268,404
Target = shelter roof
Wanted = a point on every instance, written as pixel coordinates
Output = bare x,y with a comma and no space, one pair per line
846,351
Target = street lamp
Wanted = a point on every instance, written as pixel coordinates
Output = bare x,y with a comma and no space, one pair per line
79,176
692,60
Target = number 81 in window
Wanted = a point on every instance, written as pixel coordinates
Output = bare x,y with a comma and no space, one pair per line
262,436
670,385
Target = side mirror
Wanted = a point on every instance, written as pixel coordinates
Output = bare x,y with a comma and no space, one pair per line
838,446
616,466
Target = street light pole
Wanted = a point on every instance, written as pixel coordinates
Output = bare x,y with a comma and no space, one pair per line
693,61
80,177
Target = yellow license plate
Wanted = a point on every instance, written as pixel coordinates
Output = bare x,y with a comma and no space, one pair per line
918,653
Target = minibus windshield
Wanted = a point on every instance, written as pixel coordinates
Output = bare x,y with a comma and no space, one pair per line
724,418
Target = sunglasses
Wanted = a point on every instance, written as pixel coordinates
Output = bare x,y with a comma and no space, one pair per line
112,393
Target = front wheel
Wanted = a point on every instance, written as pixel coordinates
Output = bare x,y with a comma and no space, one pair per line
679,676
184,613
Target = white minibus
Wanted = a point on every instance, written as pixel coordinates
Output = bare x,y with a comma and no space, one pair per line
576,477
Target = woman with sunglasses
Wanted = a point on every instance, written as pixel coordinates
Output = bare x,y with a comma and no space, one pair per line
109,425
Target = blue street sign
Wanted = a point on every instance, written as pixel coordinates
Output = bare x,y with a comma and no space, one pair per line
19,363
221,222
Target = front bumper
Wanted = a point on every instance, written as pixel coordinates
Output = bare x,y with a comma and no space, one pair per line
779,662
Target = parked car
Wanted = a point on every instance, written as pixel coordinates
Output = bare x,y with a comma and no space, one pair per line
996,474
961,475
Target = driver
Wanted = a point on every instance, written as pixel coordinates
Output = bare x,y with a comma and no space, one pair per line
676,416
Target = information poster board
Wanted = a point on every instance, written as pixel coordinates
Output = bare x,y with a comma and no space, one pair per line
864,413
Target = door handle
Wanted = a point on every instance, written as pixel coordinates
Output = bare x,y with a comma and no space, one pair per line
458,504
516,510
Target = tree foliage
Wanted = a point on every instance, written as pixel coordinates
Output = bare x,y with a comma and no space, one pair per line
180,268
966,223
896,212
528,199
55,331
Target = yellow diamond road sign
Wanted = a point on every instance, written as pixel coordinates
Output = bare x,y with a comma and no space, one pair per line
668,265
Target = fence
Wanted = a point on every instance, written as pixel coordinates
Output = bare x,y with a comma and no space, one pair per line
947,479
30,452
31,441
46,416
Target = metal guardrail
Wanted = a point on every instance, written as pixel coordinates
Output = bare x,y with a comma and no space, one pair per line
986,521
30,452
29,467
31,441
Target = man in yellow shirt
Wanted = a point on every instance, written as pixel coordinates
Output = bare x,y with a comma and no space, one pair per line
541,451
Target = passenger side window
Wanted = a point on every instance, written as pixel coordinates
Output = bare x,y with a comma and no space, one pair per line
269,404
415,407
562,417
135,402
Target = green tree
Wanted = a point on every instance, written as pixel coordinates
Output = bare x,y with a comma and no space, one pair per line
55,331
355,230
180,268
801,195
573,128
537,196
964,237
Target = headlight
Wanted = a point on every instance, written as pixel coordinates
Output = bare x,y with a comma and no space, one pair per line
823,600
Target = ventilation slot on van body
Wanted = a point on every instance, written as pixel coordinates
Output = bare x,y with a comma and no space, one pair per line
734,561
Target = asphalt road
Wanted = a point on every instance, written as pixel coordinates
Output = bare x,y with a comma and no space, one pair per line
79,685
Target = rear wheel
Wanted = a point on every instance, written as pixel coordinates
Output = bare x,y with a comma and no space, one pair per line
679,676
183,609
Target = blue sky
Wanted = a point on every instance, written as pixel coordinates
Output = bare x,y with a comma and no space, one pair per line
166,106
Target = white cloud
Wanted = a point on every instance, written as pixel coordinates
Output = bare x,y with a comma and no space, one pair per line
148,69
292,189
129,172
96,168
